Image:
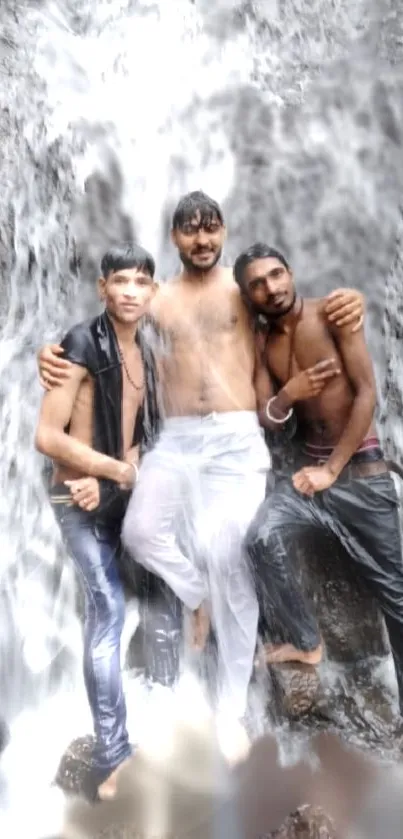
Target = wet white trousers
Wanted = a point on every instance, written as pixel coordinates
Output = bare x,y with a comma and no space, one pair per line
197,492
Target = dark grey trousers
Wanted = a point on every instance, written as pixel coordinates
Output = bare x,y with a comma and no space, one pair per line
363,514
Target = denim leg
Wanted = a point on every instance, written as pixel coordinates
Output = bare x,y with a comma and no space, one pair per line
365,516
94,550
270,543
160,620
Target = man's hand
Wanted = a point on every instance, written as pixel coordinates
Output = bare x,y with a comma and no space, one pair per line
85,493
133,456
53,370
345,306
127,475
309,383
313,479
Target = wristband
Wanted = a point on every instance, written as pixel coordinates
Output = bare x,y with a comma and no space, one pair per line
275,419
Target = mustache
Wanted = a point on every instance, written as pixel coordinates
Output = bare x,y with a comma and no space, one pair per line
260,310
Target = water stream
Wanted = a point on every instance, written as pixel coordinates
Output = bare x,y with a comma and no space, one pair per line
290,117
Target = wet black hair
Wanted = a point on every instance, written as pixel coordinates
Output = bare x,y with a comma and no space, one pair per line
257,251
127,255
196,202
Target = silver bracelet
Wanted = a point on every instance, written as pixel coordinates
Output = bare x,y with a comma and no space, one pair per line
275,419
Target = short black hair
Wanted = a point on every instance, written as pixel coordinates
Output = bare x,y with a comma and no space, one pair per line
193,203
127,255
257,251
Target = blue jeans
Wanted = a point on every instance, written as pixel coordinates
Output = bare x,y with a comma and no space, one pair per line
94,549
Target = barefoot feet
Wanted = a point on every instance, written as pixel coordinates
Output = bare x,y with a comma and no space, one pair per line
107,790
200,627
282,653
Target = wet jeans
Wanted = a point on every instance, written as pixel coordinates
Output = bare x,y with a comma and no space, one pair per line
95,550
363,515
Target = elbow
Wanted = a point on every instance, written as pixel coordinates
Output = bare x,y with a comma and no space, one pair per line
367,398
370,395
264,421
43,441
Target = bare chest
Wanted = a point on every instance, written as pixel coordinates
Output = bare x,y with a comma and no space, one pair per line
133,393
289,353
203,320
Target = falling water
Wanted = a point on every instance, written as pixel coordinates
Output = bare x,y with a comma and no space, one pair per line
288,113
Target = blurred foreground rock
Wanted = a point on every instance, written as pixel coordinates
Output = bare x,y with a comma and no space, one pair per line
307,823
121,820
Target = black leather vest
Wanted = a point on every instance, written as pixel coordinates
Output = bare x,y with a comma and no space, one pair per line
93,345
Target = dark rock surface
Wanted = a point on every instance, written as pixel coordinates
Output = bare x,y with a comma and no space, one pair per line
74,774
350,622
307,823
392,392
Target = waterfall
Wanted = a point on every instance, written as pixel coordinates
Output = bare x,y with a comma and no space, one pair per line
289,113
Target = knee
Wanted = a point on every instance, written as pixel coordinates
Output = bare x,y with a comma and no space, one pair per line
137,533
258,542
260,527
106,611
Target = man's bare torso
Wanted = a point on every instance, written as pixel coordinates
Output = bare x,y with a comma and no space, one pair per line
81,423
323,418
208,363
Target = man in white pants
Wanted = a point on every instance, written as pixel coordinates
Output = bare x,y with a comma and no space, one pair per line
200,487
198,491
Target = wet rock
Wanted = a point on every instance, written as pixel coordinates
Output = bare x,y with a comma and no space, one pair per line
296,689
392,408
307,823
74,775
353,633
349,620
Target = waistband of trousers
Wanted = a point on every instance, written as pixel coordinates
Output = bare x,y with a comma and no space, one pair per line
366,462
220,420
371,444
59,494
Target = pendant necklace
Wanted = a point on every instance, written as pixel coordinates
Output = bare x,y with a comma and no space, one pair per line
124,365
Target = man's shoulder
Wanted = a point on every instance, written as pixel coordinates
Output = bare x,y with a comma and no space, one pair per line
77,343
315,309
82,328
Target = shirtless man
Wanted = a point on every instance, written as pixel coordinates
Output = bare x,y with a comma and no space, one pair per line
340,481
206,476
93,427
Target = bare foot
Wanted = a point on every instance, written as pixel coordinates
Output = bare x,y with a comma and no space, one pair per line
281,653
108,789
200,627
